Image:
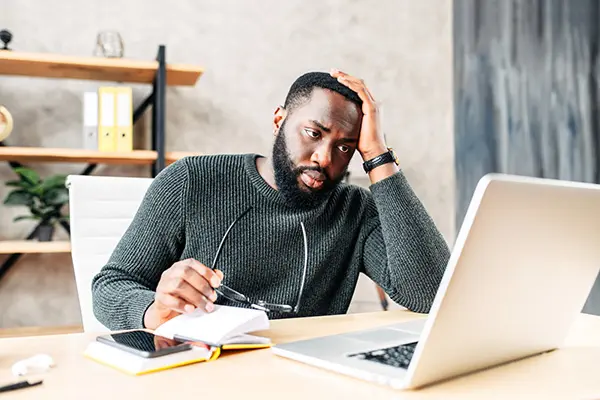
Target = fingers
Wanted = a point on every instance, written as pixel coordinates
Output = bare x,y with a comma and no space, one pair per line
203,271
219,274
183,290
196,276
171,302
181,304
356,84
188,285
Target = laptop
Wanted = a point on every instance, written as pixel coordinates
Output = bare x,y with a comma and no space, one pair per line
522,267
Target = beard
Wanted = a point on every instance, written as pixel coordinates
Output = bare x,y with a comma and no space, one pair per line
287,174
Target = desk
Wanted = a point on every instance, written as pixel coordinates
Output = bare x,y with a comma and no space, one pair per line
570,373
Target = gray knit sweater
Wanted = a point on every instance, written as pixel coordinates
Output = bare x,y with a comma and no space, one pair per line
385,233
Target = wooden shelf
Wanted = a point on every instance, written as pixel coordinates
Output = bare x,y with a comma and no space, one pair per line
43,154
32,246
93,68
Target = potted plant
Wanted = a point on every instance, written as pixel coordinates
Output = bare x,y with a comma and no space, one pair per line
44,198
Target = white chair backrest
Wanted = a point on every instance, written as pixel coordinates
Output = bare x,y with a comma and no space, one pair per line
101,209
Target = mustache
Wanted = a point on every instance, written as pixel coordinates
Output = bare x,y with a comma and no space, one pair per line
320,170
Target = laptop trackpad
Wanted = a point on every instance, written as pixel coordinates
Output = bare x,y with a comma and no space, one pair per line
381,336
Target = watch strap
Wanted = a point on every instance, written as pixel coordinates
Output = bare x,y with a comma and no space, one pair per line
381,159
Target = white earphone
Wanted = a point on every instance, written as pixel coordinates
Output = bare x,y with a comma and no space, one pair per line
32,365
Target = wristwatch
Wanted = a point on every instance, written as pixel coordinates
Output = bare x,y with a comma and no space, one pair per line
387,157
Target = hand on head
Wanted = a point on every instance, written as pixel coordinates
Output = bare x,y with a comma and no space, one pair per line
371,142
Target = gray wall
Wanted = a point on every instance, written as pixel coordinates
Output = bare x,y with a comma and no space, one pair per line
252,51
527,93
526,76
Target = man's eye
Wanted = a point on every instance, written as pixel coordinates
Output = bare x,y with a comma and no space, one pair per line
344,149
312,134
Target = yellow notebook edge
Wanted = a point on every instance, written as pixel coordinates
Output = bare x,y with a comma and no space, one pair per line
214,356
224,346
246,346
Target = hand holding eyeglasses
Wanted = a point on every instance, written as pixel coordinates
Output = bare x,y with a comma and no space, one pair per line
185,286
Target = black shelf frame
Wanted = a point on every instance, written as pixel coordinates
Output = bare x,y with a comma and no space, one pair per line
157,100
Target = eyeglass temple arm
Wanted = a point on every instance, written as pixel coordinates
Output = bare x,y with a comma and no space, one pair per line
305,267
214,263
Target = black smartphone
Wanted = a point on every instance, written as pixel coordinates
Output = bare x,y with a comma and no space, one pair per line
144,344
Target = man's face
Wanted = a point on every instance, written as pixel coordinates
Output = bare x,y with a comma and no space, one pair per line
314,146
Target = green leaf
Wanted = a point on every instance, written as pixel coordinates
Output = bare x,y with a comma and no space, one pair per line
22,217
45,211
54,182
28,175
14,183
37,191
56,197
18,198
35,211
45,214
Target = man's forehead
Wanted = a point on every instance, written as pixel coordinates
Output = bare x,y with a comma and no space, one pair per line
330,109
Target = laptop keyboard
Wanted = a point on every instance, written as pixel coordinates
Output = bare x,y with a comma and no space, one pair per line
397,356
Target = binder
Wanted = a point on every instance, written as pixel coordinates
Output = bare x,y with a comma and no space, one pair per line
124,119
106,119
90,121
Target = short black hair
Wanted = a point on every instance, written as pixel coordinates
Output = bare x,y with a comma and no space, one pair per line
302,88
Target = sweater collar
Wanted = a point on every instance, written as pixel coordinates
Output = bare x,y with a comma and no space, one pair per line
258,181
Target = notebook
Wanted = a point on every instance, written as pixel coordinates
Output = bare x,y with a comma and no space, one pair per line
133,364
225,327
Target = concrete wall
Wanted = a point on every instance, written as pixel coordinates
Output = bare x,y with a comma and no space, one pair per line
252,51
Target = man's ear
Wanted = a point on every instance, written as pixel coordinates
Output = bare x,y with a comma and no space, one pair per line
278,117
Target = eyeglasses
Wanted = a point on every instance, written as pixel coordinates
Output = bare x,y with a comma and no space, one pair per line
235,296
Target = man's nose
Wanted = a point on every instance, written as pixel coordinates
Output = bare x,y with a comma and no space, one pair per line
322,156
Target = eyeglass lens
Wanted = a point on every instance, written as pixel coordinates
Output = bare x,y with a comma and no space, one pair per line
230,294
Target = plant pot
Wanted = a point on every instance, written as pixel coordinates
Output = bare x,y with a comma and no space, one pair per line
45,233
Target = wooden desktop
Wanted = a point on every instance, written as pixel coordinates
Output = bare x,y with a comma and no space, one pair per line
572,372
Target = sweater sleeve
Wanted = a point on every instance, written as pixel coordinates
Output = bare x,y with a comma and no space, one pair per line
404,252
125,287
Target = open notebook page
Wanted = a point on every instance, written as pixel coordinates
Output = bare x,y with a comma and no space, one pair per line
215,327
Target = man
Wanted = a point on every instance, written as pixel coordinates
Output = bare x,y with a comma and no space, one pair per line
255,213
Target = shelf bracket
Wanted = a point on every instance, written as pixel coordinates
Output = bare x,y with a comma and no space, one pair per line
158,111
139,111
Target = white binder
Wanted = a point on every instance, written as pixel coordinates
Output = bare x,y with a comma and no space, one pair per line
90,120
